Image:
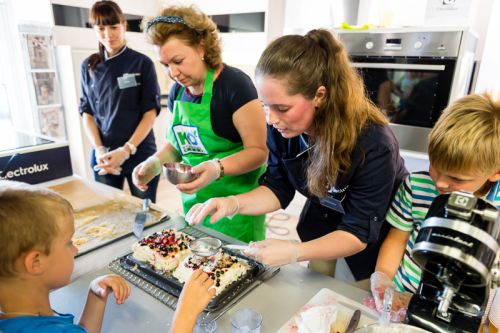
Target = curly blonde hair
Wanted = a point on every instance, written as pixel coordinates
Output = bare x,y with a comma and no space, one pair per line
198,28
28,216
305,63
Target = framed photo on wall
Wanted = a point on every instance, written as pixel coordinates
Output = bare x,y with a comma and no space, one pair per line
51,121
46,88
39,51
40,61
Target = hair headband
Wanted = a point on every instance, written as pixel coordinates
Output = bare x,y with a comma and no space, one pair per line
168,19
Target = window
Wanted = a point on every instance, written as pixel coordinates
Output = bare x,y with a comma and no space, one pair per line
5,108
246,22
30,99
70,16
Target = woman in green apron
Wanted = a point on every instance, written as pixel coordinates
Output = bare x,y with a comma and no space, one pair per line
218,125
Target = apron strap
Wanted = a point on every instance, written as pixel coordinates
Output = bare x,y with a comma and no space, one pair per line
206,98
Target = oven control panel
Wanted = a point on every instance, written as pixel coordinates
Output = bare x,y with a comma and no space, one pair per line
428,44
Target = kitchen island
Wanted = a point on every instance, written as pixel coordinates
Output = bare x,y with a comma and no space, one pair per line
277,298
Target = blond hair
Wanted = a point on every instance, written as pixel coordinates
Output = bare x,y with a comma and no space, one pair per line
305,63
198,28
466,137
28,220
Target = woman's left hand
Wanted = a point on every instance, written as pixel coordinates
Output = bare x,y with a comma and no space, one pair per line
208,171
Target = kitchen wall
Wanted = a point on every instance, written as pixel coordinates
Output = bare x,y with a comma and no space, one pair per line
243,49
75,44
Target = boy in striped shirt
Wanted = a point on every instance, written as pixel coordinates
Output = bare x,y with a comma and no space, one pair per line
464,154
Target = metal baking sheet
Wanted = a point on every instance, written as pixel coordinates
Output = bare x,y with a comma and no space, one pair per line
164,286
99,225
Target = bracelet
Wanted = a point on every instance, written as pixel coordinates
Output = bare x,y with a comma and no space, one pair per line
131,147
221,168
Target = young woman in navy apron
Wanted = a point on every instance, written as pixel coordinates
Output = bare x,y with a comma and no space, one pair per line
330,143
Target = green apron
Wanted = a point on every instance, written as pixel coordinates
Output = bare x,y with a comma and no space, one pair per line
192,135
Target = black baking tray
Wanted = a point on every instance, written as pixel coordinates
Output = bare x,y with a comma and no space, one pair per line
167,282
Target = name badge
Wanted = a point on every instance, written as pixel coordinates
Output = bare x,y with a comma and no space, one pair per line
332,203
334,199
127,81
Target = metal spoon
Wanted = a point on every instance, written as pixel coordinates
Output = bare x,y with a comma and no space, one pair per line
205,246
209,246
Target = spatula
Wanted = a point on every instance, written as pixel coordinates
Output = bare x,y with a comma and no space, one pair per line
141,218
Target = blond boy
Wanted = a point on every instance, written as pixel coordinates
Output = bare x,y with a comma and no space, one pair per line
37,256
464,154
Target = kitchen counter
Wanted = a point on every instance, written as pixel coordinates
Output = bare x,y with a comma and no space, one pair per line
278,298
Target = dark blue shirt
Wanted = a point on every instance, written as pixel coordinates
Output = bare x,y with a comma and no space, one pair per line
117,93
231,90
366,190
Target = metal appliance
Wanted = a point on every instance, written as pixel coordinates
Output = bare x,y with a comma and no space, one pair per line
412,75
457,248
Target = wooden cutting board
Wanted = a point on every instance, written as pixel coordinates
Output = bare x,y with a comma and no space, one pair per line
345,308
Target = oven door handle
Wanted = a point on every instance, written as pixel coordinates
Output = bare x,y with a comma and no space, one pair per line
398,66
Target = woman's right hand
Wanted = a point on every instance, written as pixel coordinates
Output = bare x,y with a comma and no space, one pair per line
145,172
216,207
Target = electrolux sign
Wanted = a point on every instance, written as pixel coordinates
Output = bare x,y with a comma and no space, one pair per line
38,166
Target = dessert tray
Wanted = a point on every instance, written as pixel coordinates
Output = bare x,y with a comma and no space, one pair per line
166,288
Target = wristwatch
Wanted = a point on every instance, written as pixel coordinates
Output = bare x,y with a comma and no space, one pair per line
131,147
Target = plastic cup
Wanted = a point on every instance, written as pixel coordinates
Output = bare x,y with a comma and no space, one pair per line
246,321
204,325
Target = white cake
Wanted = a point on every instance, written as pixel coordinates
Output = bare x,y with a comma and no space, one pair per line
223,268
164,250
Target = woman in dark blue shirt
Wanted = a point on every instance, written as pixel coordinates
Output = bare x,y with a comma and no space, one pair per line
330,143
119,103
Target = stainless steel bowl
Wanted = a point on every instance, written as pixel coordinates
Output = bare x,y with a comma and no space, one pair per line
179,173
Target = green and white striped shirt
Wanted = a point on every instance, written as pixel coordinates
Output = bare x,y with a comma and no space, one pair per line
406,213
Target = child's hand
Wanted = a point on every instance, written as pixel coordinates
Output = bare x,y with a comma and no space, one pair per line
197,292
104,285
379,282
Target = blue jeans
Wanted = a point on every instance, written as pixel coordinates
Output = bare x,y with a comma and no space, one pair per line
117,182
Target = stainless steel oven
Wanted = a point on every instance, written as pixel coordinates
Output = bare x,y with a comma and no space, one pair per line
412,75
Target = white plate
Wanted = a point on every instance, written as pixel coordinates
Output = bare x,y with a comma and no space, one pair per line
345,308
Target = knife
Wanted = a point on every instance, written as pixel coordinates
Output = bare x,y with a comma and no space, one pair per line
141,218
353,323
